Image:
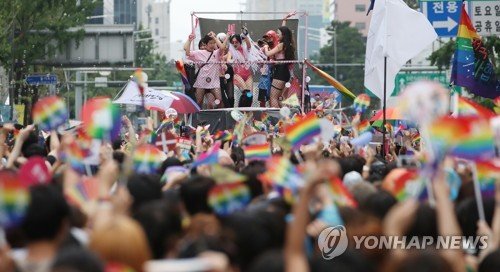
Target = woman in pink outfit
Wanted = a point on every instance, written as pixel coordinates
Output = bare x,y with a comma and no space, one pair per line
207,80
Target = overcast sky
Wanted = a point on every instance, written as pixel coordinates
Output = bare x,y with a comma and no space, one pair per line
180,14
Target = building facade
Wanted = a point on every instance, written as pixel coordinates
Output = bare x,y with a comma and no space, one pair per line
155,16
353,11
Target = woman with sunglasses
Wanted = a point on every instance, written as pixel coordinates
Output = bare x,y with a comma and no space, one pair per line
285,50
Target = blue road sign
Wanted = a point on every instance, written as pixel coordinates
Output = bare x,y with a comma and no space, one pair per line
443,15
47,79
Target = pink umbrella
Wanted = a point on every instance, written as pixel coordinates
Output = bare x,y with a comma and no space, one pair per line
184,103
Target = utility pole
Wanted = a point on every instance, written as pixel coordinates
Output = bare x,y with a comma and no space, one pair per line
335,51
11,72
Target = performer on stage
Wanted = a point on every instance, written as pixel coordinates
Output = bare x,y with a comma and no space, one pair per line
207,80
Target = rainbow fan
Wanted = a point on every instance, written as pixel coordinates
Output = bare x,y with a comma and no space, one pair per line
14,199
83,192
49,113
147,159
228,198
101,119
361,103
341,196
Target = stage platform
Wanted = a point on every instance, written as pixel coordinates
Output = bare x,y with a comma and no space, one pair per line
220,119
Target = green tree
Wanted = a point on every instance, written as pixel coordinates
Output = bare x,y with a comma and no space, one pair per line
31,31
443,57
350,50
145,57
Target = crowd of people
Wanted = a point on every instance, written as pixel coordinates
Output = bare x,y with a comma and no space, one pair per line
226,61
166,220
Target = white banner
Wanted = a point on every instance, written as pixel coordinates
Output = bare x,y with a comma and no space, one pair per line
152,98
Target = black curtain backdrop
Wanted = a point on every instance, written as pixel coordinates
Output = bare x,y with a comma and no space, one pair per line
256,28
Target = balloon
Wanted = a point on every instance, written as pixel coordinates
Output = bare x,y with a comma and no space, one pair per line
423,101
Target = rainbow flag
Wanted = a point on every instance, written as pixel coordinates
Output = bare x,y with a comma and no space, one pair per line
257,152
331,80
228,198
397,185
50,112
466,137
147,158
209,157
83,192
471,65
281,172
101,118
223,136
14,199
341,196
364,126
165,124
467,107
179,65
416,138
303,131
361,103
75,155
487,173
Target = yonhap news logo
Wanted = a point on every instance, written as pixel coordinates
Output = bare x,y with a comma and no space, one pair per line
332,242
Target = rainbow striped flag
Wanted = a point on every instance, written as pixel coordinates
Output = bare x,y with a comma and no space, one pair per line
257,152
179,65
209,157
303,131
398,184
416,138
341,196
229,197
147,158
364,126
50,113
487,173
465,137
467,107
75,155
281,172
223,135
471,65
14,199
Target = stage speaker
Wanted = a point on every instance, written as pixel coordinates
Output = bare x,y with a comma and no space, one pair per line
220,119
